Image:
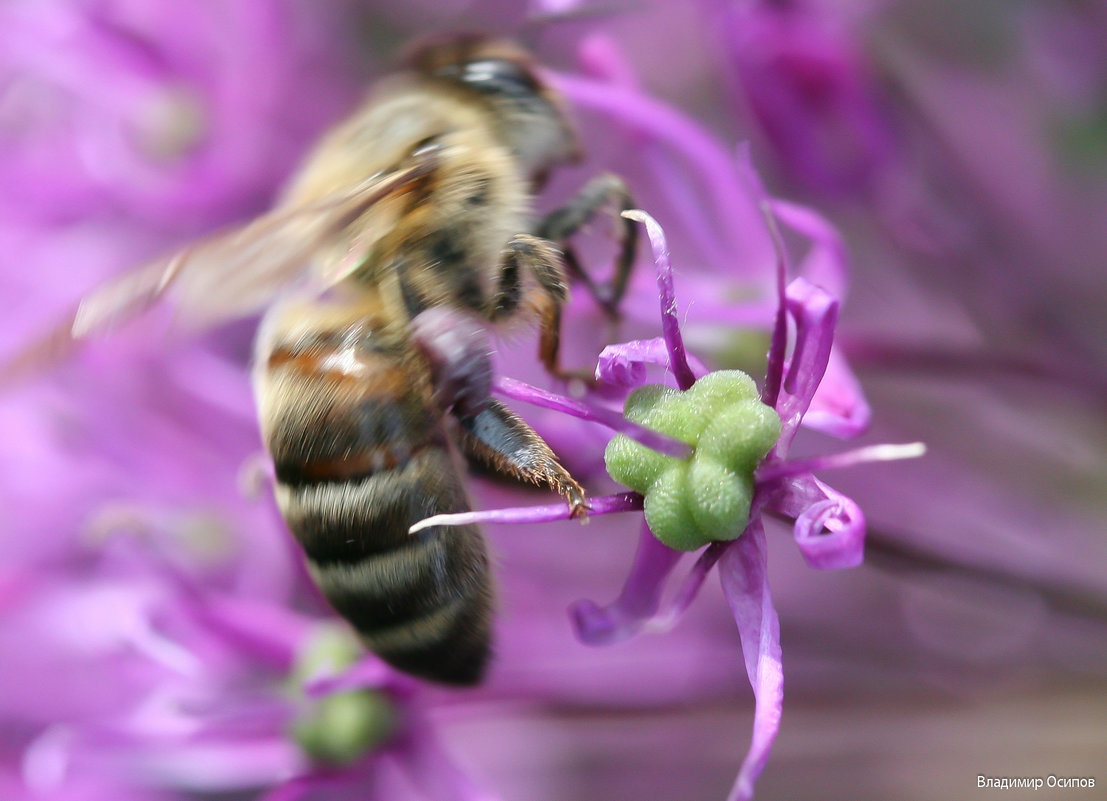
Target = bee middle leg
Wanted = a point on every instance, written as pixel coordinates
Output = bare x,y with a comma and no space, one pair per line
502,441
561,224
532,278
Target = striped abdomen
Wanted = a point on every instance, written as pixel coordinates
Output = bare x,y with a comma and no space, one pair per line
360,455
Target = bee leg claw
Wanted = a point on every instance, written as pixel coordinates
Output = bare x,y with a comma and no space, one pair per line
578,503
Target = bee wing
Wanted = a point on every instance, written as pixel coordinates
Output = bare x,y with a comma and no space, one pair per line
227,275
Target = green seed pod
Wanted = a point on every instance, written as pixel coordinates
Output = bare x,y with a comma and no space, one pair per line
667,511
705,497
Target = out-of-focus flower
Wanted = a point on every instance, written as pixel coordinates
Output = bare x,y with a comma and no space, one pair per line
127,128
142,108
163,664
144,679
972,317
807,83
976,147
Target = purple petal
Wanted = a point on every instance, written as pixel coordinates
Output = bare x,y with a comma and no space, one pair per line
431,769
815,312
778,346
670,324
839,407
745,580
637,602
518,390
827,265
624,365
689,589
869,453
604,505
829,528
368,673
836,405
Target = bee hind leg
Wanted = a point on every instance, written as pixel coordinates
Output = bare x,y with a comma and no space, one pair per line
456,349
502,441
561,224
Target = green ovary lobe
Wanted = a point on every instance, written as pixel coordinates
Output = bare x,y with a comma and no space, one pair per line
705,497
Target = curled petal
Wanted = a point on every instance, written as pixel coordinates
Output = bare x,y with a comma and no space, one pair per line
624,365
830,527
743,573
815,312
670,322
637,602
843,543
819,389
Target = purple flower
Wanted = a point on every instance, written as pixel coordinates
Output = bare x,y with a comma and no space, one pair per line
958,154
829,527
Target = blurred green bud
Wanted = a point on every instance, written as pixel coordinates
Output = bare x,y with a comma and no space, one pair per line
341,727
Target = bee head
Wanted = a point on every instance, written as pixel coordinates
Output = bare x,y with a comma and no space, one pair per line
530,115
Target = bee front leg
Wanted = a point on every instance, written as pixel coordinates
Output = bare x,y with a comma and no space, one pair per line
505,443
560,225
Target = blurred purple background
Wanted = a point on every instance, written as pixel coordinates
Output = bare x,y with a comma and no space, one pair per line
152,608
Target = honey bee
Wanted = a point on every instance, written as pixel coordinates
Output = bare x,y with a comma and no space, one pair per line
406,231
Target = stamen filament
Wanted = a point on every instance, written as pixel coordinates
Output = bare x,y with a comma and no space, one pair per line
607,504
521,391
869,453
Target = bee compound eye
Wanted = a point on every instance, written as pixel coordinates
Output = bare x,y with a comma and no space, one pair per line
500,77
426,147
